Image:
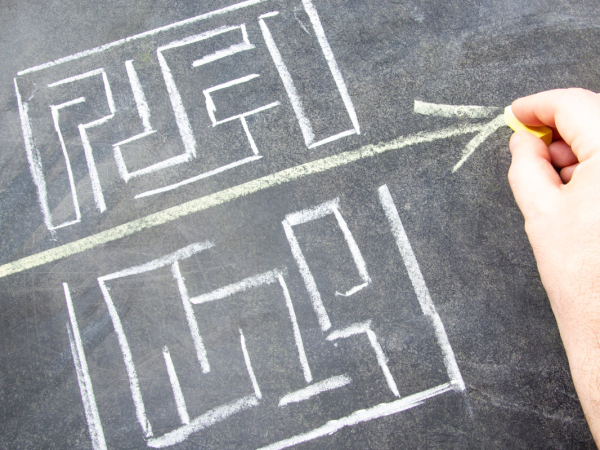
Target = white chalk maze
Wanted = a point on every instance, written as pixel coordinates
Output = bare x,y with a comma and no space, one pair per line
215,73
268,363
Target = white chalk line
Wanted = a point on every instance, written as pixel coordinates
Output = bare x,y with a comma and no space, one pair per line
313,213
288,83
138,96
365,328
191,318
75,101
210,173
359,261
360,416
249,136
269,14
231,50
335,137
134,386
170,259
126,40
255,281
498,122
227,195
144,113
354,290
296,329
177,393
181,117
33,158
356,328
418,282
83,377
333,67
246,114
460,111
87,147
315,389
308,215
56,119
249,366
309,280
81,76
91,163
234,288
203,421
135,138
169,162
166,260
211,109
290,88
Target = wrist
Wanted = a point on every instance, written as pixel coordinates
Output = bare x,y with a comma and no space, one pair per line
580,333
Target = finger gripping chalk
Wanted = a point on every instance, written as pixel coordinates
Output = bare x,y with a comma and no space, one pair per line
544,133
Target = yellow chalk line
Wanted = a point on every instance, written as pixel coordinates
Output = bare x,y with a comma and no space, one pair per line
224,196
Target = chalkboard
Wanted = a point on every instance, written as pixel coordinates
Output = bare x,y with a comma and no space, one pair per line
272,224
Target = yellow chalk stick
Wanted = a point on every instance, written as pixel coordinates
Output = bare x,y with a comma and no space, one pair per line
544,133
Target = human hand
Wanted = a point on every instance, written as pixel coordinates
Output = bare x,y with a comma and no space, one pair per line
562,221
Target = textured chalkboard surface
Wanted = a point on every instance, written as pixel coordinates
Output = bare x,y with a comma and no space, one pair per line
277,223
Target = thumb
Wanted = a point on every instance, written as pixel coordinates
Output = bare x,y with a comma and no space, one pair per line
533,180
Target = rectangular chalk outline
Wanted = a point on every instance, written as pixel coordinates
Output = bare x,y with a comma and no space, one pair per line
456,382
184,127
32,153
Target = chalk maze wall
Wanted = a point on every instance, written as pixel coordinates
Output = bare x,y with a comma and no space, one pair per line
215,81
268,364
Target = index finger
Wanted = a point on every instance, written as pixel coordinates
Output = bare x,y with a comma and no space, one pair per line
575,113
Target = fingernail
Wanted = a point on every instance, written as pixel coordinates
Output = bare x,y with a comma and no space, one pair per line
515,140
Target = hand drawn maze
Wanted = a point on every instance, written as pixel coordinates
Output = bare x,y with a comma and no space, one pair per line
86,101
90,122
250,388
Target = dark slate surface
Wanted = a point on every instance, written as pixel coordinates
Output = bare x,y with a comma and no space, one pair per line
464,227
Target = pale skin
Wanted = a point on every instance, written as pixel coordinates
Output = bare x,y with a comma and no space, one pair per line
557,188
